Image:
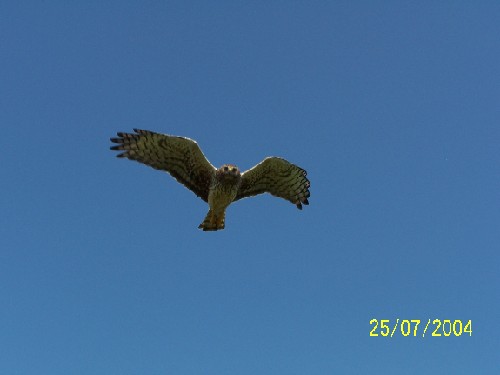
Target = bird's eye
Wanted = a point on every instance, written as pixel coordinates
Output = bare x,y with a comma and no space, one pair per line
234,169
226,169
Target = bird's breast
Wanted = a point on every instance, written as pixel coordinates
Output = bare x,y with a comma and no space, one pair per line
221,195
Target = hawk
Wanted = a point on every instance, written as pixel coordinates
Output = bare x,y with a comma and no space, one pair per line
184,160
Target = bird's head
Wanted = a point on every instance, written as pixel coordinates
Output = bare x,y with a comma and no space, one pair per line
229,172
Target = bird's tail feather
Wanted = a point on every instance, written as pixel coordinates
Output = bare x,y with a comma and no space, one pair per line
213,221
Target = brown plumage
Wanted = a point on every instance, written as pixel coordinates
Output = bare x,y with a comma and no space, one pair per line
184,160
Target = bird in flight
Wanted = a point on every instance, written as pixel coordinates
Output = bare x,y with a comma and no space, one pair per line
183,159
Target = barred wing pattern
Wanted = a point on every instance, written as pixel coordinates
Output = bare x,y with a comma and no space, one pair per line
179,156
278,177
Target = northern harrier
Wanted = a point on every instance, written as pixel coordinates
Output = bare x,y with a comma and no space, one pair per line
184,160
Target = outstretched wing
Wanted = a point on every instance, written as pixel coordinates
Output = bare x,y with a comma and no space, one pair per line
278,177
179,156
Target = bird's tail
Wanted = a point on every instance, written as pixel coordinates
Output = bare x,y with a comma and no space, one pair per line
213,221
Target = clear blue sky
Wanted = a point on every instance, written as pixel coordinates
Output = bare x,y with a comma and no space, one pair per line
392,107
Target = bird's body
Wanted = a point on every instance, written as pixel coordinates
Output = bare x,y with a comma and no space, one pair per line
223,189
184,160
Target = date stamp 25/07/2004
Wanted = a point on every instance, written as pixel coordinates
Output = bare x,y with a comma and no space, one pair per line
412,327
